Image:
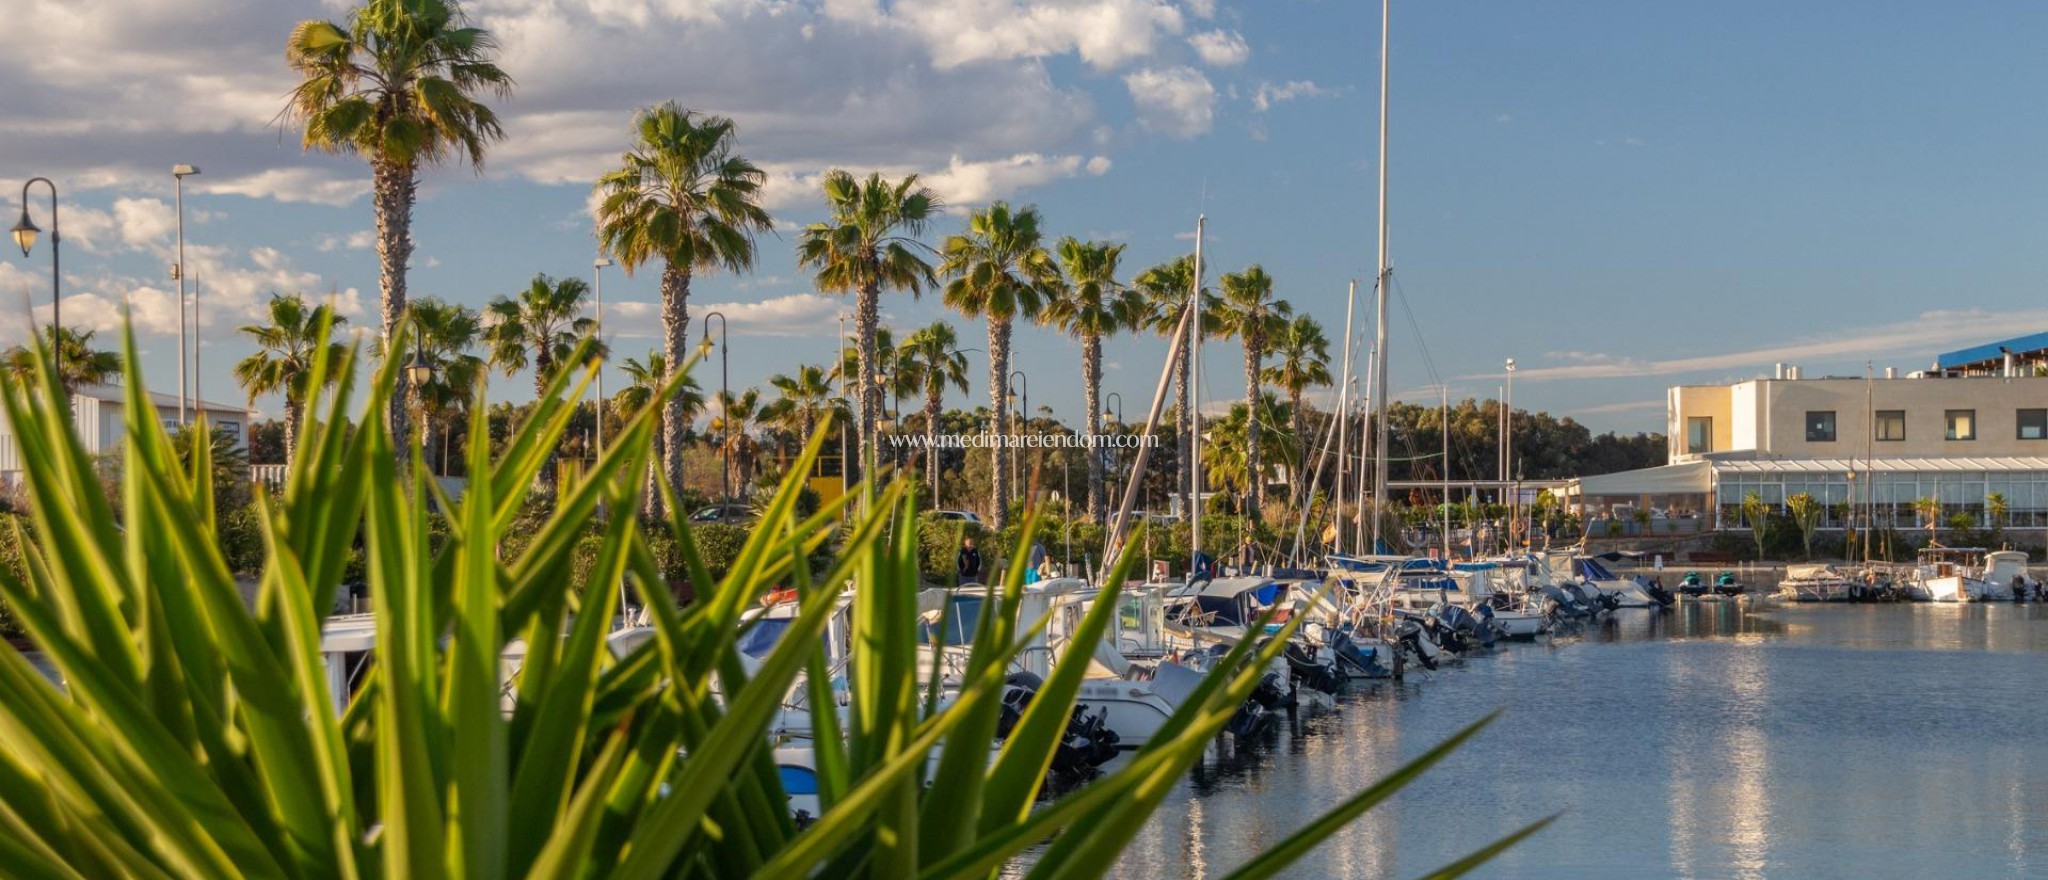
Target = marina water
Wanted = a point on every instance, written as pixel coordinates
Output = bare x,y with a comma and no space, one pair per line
1707,741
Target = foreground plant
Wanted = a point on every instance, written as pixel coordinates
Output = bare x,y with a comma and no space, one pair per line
194,736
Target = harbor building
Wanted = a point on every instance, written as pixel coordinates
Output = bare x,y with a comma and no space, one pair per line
97,414
1970,429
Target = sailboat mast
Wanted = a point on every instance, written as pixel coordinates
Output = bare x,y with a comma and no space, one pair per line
1343,418
1379,481
1195,396
1445,470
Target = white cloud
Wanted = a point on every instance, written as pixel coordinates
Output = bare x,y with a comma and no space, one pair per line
1927,334
798,314
1104,33
963,183
1220,48
320,186
1177,101
359,240
1270,94
1204,9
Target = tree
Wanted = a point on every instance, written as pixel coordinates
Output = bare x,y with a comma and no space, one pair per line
1090,303
869,243
540,325
1250,314
1757,515
446,333
1301,361
79,364
1930,515
805,397
398,84
1165,288
999,270
1806,513
644,378
288,346
1229,462
1997,509
680,196
734,426
930,360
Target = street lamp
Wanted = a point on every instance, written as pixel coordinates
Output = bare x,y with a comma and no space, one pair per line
1017,378
179,173
724,397
597,268
1508,450
25,237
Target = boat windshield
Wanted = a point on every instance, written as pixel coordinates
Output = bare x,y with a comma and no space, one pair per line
760,639
960,619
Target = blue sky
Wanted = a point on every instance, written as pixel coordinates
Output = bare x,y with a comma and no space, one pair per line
1619,195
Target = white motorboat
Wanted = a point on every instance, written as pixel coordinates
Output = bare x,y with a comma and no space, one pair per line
1814,583
1967,574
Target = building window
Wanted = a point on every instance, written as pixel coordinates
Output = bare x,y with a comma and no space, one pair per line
1820,426
2033,424
1962,424
232,429
1891,424
1699,435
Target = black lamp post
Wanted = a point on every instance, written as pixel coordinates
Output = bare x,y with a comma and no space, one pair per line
25,237
724,396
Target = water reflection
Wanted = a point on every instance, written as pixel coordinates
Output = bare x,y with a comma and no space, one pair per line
1715,740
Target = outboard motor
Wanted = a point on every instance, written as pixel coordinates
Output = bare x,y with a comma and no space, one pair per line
1489,631
1086,744
1363,661
1414,643
1565,604
1656,591
1310,672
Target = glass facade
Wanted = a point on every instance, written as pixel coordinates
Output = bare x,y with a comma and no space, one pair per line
1893,495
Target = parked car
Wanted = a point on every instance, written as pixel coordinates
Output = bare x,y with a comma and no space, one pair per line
958,515
723,514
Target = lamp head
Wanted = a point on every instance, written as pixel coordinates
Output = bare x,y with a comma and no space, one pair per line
25,232
184,170
601,263
1511,365
419,372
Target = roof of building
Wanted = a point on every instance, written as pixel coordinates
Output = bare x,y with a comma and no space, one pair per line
1697,477
1992,351
118,394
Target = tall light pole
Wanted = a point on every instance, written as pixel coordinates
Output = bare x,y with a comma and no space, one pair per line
724,396
597,268
25,236
1017,380
1507,443
179,173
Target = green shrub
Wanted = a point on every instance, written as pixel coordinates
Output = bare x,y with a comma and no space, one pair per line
241,539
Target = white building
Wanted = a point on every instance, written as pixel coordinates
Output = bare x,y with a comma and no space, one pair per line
98,413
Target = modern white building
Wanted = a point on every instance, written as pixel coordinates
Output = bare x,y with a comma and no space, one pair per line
1972,426
98,413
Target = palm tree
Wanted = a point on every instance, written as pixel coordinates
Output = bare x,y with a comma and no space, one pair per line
870,243
1165,290
1229,459
398,84
1302,361
682,197
1000,270
734,425
805,397
1251,314
543,319
79,364
284,364
644,378
931,360
446,333
1092,304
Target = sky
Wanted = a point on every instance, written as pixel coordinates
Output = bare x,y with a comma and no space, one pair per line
1621,196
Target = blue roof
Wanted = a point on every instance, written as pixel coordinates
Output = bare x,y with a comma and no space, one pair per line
1990,351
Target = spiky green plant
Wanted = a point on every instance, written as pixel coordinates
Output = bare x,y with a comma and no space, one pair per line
195,735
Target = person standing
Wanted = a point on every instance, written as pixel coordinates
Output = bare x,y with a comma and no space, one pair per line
969,562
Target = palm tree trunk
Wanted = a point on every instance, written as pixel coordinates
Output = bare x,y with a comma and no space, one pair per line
393,188
293,411
543,366
867,317
931,436
998,387
675,347
650,494
1294,426
1252,355
1091,385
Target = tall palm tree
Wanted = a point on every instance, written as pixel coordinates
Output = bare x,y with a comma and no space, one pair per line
930,361
398,82
541,325
1251,314
644,378
734,426
1092,304
446,333
869,243
283,364
999,269
1230,462
1165,290
78,363
1302,361
682,197
805,397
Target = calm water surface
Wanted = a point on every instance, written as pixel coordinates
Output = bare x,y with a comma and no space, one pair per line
1896,741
